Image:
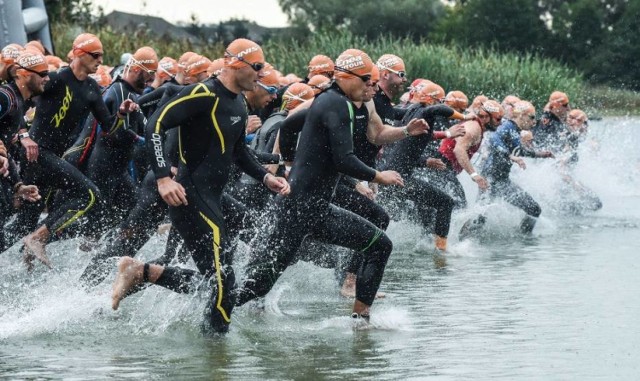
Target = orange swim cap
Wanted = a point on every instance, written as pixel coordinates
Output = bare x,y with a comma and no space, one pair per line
145,58
53,61
184,58
510,100
292,78
478,101
10,53
197,64
167,67
390,61
353,62
322,65
86,43
428,92
523,108
493,108
559,97
216,67
579,115
242,52
269,76
296,94
102,76
319,83
35,45
457,100
31,61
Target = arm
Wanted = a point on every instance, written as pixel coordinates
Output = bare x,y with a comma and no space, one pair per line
288,134
463,143
379,133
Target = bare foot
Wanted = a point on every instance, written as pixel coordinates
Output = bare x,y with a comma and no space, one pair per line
129,275
36,248
164,229
348,289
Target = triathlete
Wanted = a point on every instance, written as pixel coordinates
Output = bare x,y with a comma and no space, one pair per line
392,79
212,120
31,76
551,126
68,98
506,149
405,156
326,151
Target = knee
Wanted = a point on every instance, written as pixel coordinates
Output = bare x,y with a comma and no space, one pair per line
383,220
534,210
383,246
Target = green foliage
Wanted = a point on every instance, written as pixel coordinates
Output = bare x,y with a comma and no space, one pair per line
400,18
477,71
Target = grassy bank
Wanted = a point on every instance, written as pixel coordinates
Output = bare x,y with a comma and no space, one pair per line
474,71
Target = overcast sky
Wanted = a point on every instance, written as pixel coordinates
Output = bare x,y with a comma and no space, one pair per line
263,12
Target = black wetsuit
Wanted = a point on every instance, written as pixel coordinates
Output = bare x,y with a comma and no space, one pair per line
385,109
212,122
325,151
548,133
65,103
404,156
11,120
503,143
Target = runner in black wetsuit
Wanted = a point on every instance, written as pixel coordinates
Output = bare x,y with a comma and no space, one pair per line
31,77
108,163
547,134
68,98
505,149
212,121
325,151
406,155
392,79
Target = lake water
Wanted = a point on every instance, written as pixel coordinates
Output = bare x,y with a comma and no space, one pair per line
561,304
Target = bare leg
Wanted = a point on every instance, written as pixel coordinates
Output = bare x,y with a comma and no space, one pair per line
360,310
348,289
34,246
130,274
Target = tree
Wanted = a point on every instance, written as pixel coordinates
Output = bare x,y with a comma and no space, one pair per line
507,25
399,18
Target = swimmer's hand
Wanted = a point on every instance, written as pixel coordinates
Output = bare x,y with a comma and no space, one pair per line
364,190
28,192
4,166
172,192
417,127
519,161
434,163
457,130
389,178
127,106
545,154
277,184
31,148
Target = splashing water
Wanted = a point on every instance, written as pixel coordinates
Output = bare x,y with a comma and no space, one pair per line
561,303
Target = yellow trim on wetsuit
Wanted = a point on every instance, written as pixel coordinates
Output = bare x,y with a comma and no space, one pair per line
117,125
76,148
216,253
377,235
79,213
193,94
215,123
182,159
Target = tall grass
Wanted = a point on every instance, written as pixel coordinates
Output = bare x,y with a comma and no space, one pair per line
472,70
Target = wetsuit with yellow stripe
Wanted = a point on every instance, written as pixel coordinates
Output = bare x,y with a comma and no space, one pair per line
65,103
325,153
212,122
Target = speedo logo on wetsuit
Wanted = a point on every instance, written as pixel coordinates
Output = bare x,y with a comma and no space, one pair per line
156,140
235,119
62,112
360,116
